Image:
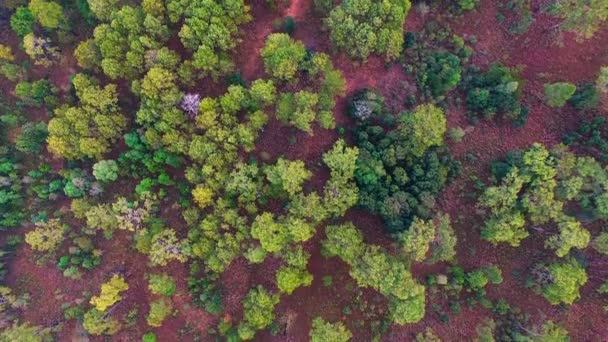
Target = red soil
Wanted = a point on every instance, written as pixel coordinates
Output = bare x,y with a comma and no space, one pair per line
541,61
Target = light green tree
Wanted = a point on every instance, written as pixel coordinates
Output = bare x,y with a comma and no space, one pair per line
323,331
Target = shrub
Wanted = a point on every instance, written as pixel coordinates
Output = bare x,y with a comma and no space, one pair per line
32,137
352,30
105,170
600,243
323,331
562,281
159,310
557,94
282,56
495,92
110,293
22,21
161,284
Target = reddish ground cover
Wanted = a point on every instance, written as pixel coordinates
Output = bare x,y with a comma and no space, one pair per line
541,61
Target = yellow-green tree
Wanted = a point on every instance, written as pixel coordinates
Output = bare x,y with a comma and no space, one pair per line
89,129
110,293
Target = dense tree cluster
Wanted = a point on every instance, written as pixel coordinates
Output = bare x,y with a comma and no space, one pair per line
494,92
364,27
89,129
534,187
400,171
373,267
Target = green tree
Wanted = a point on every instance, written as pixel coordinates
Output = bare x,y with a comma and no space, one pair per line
290,278
32,137
47,236
424,127
323,331
48,13
557,94
258,311
600,243
273,236
37,93
89,129
583,17
211,40
344,241
416,241
287,176
22,21
161,284
105,170
103,8
166,247
95,322
561,281
282,56
361,28
298,109
87,54
159,310
443,248
24,332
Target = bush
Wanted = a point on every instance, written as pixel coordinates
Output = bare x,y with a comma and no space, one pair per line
105,170
352,30
557,94
22,21
495,92
159,310
161,284
441,73
323,331
282,56
32,137
585,97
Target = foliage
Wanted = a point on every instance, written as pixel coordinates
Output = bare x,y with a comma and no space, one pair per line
22,21
40,50
95,322
166,247
323,331
282,56
373,267
361,28
37,93
211,40
495,92
105,170
159,310
25,332
32,137
557,94
600,243
400,171
287,176
110,293
560,281
89,129
533,188
290,278
258,312
441,73
582,17
415,242
585,97
47,236
161,284
48,13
